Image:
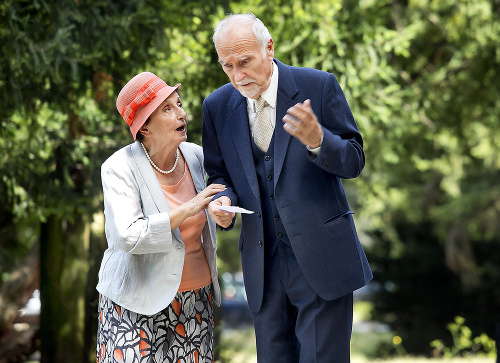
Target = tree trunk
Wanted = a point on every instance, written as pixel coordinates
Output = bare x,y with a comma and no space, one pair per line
63,274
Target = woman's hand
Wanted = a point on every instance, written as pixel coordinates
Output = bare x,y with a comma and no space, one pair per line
194,205
202,199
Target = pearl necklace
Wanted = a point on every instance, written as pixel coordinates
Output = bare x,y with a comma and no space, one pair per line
156,167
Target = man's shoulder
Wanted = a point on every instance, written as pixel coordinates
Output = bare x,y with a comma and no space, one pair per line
302,78
224,92
306,72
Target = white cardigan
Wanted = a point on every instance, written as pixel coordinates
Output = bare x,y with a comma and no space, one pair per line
141,269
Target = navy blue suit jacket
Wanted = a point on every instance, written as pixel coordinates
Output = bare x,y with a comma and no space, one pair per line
308,190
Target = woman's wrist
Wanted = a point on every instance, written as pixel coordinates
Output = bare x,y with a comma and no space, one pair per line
178,215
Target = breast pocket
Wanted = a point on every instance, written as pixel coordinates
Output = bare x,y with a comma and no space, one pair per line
338,217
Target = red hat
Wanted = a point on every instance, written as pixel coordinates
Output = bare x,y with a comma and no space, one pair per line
140,97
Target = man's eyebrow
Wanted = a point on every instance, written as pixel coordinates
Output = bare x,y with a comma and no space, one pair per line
246,57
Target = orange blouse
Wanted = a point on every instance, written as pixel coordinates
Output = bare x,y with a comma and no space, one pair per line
195,273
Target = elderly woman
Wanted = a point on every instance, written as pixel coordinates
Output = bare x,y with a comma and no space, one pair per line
158,276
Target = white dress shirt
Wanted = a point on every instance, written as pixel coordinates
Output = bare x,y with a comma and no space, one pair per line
270,95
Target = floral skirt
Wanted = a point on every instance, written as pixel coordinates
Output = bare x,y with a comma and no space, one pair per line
181,333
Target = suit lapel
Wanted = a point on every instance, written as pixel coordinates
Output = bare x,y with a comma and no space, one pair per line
287,89
237,122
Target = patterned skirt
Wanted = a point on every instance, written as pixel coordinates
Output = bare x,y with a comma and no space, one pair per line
181,333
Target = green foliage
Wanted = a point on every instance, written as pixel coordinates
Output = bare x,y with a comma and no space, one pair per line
463,343
192,59
422,79
53,50
62,66
62,62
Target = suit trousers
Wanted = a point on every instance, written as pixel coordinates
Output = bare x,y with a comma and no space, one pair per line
294,323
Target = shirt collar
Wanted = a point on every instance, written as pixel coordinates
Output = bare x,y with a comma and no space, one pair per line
271,93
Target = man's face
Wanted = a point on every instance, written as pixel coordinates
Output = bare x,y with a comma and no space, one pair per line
241,58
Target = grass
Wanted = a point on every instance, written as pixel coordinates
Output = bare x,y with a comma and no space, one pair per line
423,360
367,344
238,346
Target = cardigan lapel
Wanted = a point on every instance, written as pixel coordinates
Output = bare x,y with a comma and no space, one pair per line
151,182
194,165
198,175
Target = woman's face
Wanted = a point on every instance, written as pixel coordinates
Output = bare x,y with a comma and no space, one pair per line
168,123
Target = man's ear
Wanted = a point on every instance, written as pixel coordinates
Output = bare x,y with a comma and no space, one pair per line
270,48
270,44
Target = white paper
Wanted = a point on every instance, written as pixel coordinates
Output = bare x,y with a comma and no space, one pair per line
231,209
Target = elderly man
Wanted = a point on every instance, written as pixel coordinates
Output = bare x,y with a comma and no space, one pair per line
280,139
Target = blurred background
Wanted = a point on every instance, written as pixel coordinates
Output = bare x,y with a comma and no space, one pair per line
422,79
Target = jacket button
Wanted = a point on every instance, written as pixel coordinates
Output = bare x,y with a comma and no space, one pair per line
280,235
259,244
269,177
267,158
258,214
272,196
276,216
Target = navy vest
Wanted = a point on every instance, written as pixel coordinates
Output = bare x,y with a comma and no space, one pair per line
274,232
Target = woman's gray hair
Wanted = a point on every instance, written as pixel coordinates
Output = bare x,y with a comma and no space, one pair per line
258,28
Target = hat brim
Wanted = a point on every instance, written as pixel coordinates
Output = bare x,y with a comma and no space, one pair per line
143,112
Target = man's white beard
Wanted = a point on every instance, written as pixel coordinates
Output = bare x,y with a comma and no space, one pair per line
249,91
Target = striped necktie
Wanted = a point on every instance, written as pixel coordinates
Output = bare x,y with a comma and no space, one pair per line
262,129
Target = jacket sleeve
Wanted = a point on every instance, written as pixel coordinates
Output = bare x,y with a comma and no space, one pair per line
341,152
128,227
215,166
213,161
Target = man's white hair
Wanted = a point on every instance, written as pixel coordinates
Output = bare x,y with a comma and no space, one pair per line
258,28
